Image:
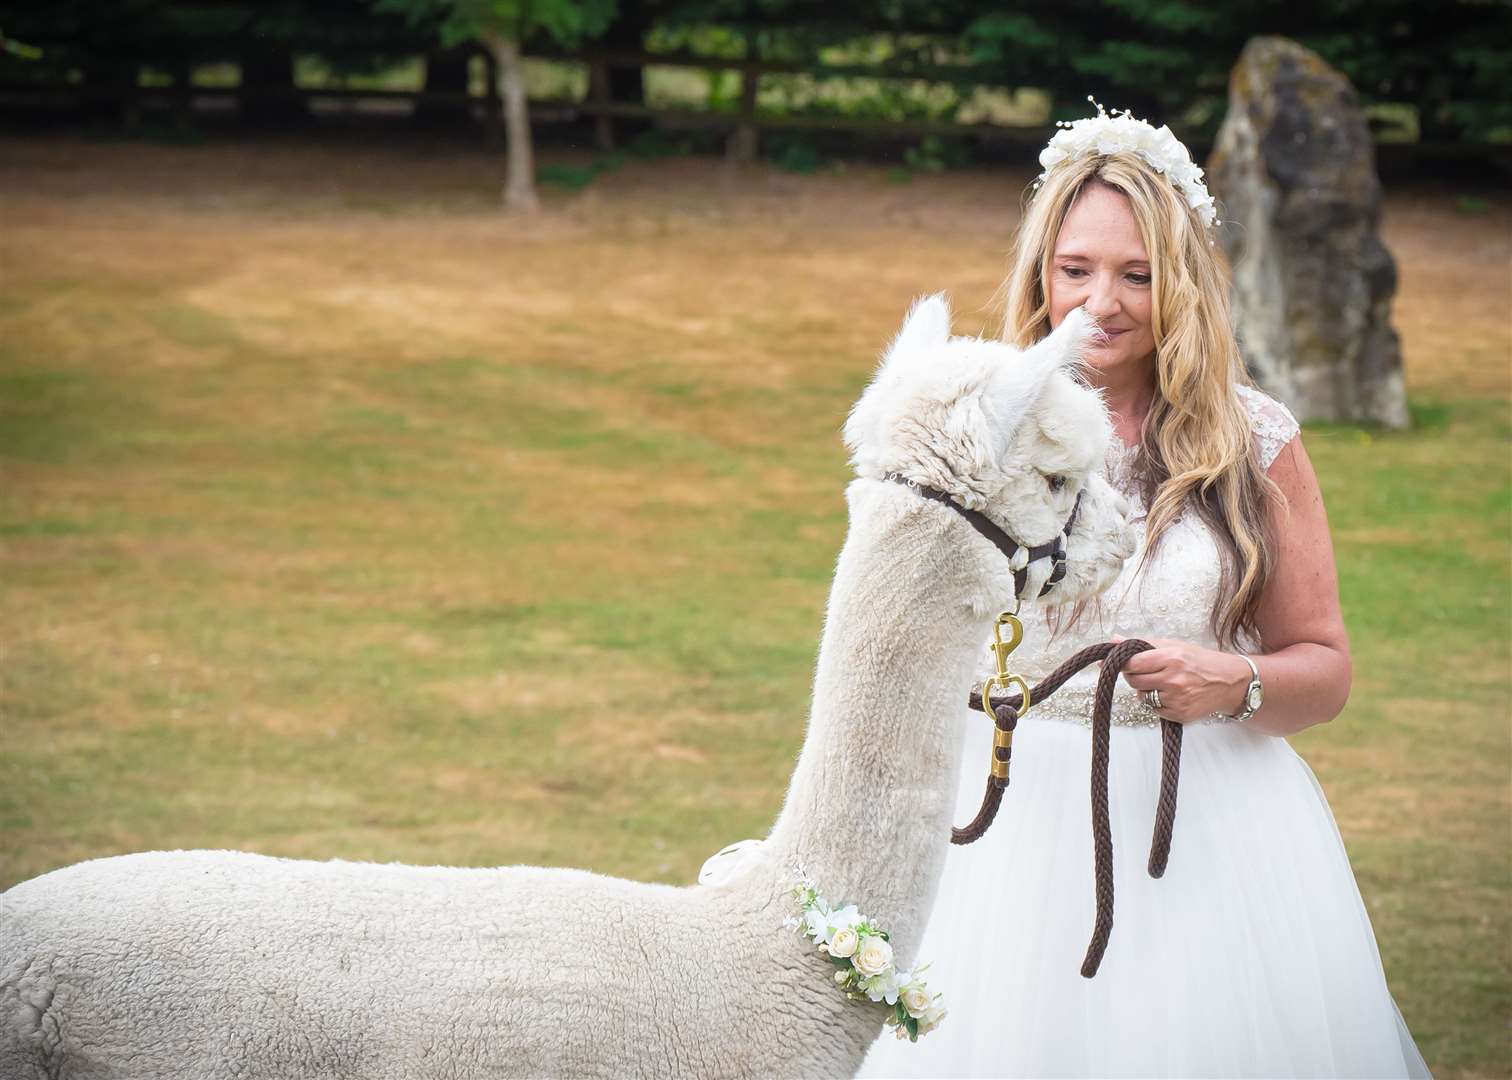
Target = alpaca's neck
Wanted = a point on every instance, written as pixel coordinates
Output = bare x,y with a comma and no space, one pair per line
868,813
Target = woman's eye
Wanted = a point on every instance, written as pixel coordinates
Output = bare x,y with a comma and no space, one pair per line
1073,271
1140,279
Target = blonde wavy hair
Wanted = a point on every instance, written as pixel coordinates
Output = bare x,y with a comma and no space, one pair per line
1195,445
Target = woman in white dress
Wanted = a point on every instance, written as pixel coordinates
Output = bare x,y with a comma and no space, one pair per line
1254,954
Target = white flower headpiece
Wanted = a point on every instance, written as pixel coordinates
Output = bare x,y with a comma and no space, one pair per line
1108,134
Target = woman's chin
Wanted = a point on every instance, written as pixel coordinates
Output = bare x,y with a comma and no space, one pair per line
1115,356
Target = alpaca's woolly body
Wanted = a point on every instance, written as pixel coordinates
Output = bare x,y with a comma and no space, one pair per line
366,970
227,965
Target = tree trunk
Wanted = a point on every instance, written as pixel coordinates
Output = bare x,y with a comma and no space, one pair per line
269,97
446,73
598,94
183,96
627,83
109,95
493,110
743,143
519,187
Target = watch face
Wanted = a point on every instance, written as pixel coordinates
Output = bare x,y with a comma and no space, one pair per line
1254,697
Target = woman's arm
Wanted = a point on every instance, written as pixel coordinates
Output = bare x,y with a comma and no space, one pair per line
1305,667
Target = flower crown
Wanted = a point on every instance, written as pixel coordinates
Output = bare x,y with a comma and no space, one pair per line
1109,133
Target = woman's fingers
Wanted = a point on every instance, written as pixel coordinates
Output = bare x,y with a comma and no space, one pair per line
1161,668
1147,662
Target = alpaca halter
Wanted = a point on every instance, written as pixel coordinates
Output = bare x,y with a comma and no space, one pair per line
1053,549
1108,133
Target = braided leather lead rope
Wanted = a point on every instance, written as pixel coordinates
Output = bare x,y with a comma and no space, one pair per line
1005,715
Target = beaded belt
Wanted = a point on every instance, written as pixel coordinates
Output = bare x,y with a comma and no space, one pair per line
1073,705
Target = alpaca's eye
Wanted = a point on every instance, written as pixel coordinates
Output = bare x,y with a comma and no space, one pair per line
1055,482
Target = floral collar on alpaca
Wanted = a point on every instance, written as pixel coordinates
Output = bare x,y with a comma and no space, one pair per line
863,957
1109,133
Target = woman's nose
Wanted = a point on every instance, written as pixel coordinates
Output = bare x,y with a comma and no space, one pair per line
1102,299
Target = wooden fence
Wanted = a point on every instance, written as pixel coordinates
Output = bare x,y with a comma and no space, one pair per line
742,124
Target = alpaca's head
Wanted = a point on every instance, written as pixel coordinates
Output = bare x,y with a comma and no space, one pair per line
1006,432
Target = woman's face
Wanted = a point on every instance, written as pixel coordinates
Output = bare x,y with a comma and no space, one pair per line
1100,263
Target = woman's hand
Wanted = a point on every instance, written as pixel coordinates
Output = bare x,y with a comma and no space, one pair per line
1193,681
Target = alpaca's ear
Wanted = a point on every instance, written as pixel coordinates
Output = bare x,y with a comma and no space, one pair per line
926,325
1018,384
925,328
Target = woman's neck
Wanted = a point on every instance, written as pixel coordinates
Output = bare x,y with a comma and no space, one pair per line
1128,398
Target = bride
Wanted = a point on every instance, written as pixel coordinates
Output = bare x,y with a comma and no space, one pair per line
1254,954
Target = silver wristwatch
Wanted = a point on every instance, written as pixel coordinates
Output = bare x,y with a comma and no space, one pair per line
1252,696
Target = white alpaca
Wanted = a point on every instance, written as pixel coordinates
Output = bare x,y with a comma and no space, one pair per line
216,964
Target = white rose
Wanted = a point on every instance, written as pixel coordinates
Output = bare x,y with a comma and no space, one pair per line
916,1000
873,956
844,943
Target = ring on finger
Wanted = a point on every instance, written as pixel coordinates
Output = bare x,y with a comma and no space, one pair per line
1152,698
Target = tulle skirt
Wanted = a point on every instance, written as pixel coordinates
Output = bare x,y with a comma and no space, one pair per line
1252,956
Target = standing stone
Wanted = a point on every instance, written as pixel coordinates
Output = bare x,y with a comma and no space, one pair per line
1294,174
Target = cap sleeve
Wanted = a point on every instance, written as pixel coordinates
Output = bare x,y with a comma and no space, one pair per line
1272,423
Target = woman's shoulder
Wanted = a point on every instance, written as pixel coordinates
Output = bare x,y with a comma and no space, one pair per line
1272,422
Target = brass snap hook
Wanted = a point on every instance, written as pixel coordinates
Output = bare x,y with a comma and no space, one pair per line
1001,648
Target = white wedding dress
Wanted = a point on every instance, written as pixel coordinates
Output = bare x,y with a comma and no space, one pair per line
1253,956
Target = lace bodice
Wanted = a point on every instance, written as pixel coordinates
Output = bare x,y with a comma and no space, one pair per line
1170,597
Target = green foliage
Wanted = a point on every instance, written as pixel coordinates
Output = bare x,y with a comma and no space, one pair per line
1169,60
928,156
110,40
566,22
934,154
794,153
655,143
577,177
19,49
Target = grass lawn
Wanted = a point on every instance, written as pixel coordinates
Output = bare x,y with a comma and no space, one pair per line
341,515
